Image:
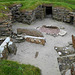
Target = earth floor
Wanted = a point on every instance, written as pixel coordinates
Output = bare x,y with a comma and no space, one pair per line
47,56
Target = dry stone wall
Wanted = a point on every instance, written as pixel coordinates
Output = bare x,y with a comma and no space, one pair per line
64,15
58,13
5,29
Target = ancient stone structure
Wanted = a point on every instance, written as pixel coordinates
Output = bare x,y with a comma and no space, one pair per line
52,30
37,40
5,29
41,12
64,51
73,69
66,59
64,15
32,35
7,47
73,41
65,63
30,32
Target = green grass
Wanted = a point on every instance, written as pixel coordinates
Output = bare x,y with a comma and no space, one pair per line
32,4
14,68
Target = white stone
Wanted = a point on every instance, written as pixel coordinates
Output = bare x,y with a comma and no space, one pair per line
10,43
66,52
59,53
5,7
62,32
33,37
68,72
3,45
56,48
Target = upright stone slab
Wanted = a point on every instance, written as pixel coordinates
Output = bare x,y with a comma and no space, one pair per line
73,41
73,69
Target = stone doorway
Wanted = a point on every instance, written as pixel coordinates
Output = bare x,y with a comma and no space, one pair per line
71,19
48,11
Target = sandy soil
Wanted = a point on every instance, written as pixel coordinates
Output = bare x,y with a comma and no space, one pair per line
47,57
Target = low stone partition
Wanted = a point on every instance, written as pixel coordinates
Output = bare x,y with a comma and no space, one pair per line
30,32
37,40
7,47
32,35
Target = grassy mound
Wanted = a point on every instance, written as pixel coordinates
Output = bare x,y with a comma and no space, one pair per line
13,68
32,4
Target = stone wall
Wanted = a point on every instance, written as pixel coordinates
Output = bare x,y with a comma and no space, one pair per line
27,16
5,29
58,13
62,14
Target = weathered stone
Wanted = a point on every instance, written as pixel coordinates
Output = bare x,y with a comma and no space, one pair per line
63,51
68,72
73,41
6,48
37,40
5,29
58,13
65,63
73,69
31,32
62,32
12,47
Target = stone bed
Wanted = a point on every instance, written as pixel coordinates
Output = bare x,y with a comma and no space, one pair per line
50,30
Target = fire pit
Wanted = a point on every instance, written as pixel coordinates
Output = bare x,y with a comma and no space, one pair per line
50,29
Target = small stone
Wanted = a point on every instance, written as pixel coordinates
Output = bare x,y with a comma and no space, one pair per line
59,53
62,27
70,43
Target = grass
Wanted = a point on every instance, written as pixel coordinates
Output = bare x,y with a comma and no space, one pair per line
14,68
32,4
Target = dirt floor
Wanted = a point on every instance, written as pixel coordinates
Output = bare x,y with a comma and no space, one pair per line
46,59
